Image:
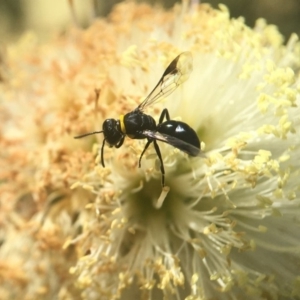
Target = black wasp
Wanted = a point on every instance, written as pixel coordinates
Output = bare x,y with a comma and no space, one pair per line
138,125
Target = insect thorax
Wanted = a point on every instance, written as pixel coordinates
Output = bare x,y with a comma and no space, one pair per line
135,122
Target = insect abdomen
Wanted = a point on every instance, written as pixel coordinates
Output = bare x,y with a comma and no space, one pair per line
181,131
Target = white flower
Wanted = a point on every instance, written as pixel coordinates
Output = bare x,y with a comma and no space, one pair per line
228,227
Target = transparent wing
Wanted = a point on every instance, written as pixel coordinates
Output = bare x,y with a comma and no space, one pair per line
175,74
173,141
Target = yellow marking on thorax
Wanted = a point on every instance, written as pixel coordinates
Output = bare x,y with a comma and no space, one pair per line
123,129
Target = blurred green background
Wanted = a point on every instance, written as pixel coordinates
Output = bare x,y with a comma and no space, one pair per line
46,17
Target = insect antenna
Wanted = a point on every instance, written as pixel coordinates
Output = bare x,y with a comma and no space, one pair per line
86,134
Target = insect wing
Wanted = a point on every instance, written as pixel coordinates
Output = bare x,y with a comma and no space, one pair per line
173,141
175,74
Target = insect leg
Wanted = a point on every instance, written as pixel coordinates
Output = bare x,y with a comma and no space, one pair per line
146,146
162,169
164,114
120,142
102,151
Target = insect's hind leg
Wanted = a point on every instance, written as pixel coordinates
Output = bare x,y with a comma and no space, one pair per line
164,114
162,168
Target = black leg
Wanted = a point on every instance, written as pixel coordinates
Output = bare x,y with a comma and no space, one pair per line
102,151
120,142
147,145
164,114
162,169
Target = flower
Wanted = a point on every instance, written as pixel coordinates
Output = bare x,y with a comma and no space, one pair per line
228,225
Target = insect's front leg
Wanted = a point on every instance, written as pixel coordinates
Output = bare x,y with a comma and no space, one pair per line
102,149
164,114
120,143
